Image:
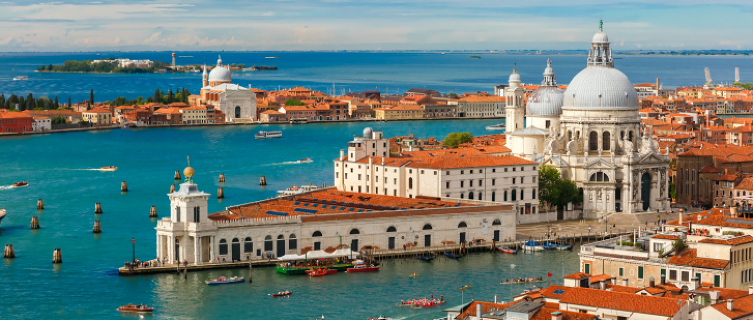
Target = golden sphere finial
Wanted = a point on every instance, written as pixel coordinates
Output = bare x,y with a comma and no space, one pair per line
188,171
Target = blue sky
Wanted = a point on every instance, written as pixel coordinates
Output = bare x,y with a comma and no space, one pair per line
371,25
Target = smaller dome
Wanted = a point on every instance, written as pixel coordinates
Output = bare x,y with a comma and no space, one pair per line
514,77
219,74
600,37
368,133
545,101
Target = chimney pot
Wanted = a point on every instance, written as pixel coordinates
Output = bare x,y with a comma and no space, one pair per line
602,284
557,315
614,280
750,289
663,279
730,304
625,282
478,311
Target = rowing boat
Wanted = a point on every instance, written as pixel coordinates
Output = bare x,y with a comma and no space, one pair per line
521,282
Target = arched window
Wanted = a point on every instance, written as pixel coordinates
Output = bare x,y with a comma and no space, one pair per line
268,244
630,136
391,229
462,225
605,140
599,176
248,246
238,112
410,183
354,231
235,240
280,237
470,195
514,195
223,247
593,141
493,196
427,227
496,222
569,135
317,234
292,242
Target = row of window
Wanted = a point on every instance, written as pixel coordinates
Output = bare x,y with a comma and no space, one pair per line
741,255
513,195
248,244
196,214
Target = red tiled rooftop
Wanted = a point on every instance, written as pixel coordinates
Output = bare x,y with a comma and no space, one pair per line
622,301
665,237
690,258
730,242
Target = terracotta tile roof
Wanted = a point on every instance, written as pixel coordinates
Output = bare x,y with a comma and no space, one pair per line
272,112
470,311
98,110
13,115
553,291
709,169
597,278
723,153
690,258
622,301
741,307
745,184
576,276
730,242
664,236
172,110
618,288
645,85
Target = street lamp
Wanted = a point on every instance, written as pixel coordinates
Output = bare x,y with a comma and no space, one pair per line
133,241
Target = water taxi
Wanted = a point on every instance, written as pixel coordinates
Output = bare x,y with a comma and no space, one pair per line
298,121
305,160
268,134
362,268
141,308
523,280
282,293
21,184
20,78
108,168
2,214
496,127
296,190
224,280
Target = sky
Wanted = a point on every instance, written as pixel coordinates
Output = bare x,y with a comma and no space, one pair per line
269,25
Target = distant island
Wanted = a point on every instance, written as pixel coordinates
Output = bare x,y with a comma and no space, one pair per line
120,65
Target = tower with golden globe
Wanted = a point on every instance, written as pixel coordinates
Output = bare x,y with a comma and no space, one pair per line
188,206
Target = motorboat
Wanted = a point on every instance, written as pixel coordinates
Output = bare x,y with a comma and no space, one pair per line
507,250
293,190
564,247
549,246
268,134
2,214
496,127
524,280
21,184
108,168
466,287
298,121
305,160
20,78
141,308
282,294
531,245
320,272
362,268
224,280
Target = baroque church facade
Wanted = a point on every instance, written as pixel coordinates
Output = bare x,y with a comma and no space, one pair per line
235,101
591,132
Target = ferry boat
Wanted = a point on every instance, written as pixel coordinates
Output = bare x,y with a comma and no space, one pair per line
362,268
21,184
108,168
224,280
282,293
293,190
298,121
496,127
142,308
268,134
20,78
2,214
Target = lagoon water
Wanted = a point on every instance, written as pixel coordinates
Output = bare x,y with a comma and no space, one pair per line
58,168
356,71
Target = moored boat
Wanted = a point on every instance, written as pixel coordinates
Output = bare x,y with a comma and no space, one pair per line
453,255
282,293
268,134
20,78
564,247
298,121
21,184
523,280
549,246
531,245
496,127
141,308
319,272
426,258
362,268
108,168
507,250
224,280
284,269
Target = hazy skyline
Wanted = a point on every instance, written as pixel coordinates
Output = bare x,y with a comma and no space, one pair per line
371,25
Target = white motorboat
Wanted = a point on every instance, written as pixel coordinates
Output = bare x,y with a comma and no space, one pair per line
2,214
268,134
21,78
496,127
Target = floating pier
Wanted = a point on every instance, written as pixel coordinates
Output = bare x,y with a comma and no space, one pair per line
9,252
57,256
40,204
263,181
177,175
153,212
97,227
222,178
123,187
220,193
98,208
34,222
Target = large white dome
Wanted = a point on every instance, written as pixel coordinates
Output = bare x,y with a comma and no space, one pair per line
601,87
219,74
545,101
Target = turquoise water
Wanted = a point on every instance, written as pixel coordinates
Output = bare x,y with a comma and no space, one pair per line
86,285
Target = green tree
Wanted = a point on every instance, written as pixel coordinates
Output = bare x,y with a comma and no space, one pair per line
454,139
11,102
453,95
58,120
91,97
157,96
672,191
746,86
56,105
555,192
30,102
69,102
2,101
21,104
294,102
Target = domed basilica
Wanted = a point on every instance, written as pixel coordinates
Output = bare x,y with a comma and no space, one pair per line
234,101
592,134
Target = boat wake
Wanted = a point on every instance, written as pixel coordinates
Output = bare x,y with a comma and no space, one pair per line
286,163
6,187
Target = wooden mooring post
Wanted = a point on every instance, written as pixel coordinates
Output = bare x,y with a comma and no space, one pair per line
9,252
34,222
97,227
57,256
98,208
40,204
123,187
153,212
177,175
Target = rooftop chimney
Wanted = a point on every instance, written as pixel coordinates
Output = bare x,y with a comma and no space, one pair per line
663,279
651,282
557,315
478,311
693,283
614,280
714,296
342,154
625,282
602,284
730,304
750,289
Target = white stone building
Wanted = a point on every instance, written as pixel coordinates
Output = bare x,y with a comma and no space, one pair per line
592,133
236,102
319,221
461,173
41,124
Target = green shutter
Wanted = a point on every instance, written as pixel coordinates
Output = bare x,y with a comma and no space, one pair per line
717,280
640,272
621,272
587,268
698,275
664,272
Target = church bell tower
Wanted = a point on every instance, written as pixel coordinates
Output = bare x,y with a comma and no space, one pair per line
514,111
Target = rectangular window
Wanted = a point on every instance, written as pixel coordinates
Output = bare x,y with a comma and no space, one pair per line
672,275
461,184
359,177
292,244
394,180
494,170
177,214
685,276
698,276
587,268
505,169
493,180
513,180
447,184
196,214
471,171
480,183
640,272
470,183
717,280
533,194
622,271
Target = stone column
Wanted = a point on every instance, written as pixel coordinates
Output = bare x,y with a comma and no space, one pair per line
159,247
196,248
211,249
170,248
